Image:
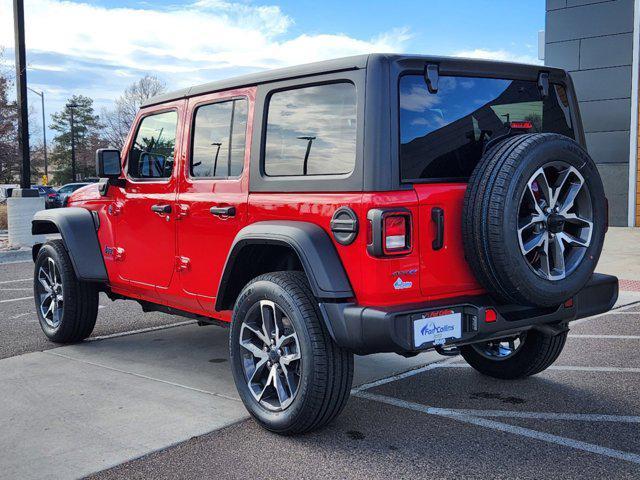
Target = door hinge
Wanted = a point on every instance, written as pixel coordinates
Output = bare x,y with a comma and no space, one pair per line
182,264
114,209
183,211
116,253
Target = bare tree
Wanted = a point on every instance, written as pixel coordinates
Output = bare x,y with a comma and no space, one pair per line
117,122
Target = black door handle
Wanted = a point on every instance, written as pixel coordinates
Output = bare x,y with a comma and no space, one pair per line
161,208
437,215
223,211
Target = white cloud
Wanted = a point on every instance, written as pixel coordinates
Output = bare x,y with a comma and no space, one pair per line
207,34
502,55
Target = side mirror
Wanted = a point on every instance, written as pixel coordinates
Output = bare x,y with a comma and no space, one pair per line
108,164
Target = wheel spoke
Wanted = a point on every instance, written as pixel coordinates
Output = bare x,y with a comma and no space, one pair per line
291,357
575,219
259,367
255,351
530,221
289,377
557,248
536,241
283,396
286,340
269,324
572,240
46,282
544,258
567,201
269,382
258,333
540,177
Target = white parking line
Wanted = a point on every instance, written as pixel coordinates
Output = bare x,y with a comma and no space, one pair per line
17,299
14,289
568,368
503,427
578,417
16,281
606,337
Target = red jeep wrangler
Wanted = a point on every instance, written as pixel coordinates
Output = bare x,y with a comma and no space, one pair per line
378,203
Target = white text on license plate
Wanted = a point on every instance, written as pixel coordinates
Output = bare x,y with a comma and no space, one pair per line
437,329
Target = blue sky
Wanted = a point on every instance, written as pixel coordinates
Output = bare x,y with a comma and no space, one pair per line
98,47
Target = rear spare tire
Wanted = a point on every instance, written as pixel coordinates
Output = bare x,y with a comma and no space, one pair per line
534,219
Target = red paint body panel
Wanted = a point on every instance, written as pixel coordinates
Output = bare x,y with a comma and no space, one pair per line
443,272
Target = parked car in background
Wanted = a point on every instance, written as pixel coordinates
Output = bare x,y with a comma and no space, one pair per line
5,191
49,194
66,190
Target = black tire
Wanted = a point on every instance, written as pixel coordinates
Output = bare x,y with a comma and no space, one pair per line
79,299
490,219
325,370
536,354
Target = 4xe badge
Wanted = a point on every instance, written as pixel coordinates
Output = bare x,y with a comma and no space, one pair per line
400,284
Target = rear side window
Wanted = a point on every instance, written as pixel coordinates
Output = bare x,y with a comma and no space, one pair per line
443,135
219,139
311,131
152,153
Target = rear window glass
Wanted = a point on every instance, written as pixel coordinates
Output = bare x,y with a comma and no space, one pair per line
311,131
443,135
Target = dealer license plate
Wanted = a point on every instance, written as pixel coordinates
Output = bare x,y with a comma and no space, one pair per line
437,329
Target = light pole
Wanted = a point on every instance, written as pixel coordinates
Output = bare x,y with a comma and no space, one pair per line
44,133
71,106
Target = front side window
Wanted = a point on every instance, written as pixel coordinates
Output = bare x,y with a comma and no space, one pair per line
444,134
153,150
219,133
311,131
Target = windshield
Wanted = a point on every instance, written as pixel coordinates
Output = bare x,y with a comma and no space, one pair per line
443,135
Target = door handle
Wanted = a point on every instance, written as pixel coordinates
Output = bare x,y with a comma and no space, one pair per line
437,215
161,208
223,211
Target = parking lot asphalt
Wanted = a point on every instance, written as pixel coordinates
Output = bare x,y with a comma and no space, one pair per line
19,328
161,404
579,419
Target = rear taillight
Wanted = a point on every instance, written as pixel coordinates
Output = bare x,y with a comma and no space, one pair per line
389,232
395,233
52,195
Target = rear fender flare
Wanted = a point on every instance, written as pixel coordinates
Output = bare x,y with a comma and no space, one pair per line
315,250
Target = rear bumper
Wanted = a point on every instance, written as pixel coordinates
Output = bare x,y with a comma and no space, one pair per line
366,330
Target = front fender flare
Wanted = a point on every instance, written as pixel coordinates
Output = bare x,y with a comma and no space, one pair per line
78,229
317,254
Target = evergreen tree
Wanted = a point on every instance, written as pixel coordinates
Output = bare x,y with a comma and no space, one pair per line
86,136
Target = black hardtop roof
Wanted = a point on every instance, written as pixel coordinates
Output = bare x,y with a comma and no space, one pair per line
453,64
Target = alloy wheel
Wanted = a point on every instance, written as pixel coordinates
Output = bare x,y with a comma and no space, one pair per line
271,358
49,292
555,220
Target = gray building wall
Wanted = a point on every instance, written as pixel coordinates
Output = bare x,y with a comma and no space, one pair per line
593,40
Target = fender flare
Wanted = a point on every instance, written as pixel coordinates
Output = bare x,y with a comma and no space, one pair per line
316,251
78,228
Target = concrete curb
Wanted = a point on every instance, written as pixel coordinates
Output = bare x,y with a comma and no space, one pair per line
14,256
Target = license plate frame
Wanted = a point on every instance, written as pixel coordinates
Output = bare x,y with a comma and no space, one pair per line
432,330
